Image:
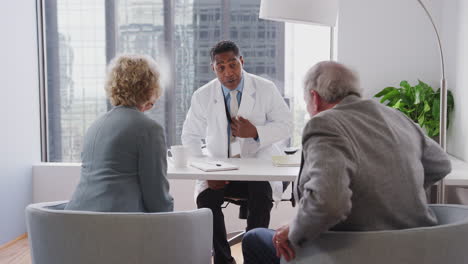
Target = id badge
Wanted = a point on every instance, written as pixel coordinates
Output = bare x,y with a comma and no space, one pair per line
235,148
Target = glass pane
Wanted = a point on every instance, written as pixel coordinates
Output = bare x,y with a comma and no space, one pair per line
75,48
83,35
184,62
140,30
305,46
199,24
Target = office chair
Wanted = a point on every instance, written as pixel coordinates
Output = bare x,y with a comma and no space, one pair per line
58,236
444,243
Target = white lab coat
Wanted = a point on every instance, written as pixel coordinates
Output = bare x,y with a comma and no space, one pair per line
261,104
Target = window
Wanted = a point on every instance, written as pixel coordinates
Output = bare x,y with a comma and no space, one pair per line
261,34
82,36
245,34
305,46
204,34
234,34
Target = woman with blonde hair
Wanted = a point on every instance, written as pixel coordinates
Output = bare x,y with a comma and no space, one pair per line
124,152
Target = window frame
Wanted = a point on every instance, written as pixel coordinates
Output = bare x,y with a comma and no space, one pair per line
110,50
42,73
111,47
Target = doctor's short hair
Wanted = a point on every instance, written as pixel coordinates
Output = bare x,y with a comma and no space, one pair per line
224,46
132,79
332,81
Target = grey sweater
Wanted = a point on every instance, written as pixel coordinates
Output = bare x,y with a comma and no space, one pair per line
365,167
123,165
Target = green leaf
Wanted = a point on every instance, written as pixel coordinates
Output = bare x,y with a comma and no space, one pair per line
436,109
389,95
427,108
417,95
405,98
420,103
405,84
395,100
421,120
450,102
398,105
435,131
385,91
425,86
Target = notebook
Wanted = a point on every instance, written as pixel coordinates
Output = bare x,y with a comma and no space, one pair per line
287,161
213,165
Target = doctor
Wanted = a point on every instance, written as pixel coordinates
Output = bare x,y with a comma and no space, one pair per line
241,115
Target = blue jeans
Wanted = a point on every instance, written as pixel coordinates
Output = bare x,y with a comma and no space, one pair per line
257,247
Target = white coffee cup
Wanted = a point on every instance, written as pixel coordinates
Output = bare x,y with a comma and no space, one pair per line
179,156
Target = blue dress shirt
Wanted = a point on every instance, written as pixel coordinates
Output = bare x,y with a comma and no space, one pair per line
227,95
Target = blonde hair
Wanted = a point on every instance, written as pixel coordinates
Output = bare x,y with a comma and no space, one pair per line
132,80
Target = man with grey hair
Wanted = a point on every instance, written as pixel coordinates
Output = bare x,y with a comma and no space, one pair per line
365,166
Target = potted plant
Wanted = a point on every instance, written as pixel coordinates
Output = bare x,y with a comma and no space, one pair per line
420,103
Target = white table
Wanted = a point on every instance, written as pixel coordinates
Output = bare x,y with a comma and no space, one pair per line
459,174
56,181
249,170
264,170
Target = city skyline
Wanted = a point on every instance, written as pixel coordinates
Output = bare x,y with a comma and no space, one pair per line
179,38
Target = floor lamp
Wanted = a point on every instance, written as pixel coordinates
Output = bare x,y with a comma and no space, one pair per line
325,12
443,105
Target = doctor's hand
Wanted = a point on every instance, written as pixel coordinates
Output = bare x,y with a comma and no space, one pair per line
217,185
242,128
282,245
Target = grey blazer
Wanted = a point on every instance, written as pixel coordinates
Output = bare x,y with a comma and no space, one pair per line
123,165
365,167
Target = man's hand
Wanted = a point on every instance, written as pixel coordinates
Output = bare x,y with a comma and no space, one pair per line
282,245
217,185
242,128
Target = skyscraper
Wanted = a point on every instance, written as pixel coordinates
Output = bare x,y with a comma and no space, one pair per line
184,62
261,42
83,35
140,30
75,65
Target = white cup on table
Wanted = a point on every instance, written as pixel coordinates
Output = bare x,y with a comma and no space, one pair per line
179,156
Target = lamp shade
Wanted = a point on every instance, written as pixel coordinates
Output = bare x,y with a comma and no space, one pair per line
318,12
